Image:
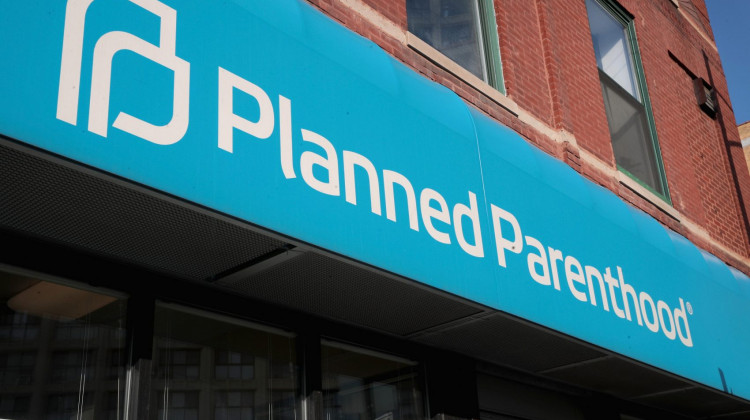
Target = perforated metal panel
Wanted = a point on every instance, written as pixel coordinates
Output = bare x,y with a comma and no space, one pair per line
506,341
335,289
44,197
47,199
700,403
616,376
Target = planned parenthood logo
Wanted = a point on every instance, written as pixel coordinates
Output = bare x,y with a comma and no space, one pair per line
101,74
329,169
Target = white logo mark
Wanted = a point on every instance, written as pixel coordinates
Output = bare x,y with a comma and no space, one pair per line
105,49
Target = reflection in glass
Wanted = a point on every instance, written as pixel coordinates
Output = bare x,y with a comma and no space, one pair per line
61,351
632,142
363,385
612,48
630,137
233,405
208,367
452,27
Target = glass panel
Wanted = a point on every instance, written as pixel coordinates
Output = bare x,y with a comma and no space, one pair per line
361,385
611,47
61,351
503,399
208,367
452,27
631,140
486,415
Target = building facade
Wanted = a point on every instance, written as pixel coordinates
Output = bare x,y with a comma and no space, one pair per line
744,130
370,209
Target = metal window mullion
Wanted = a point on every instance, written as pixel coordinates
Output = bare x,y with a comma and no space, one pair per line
627,21
646,99
491,45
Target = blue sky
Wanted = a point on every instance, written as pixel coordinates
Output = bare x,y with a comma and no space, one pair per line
730,20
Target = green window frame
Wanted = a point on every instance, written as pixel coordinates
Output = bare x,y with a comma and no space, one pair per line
429,20
639,96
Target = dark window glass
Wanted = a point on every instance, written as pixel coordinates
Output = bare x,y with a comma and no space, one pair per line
66,406
114,406
14,407
17,368
72,366
227,368
633,145
452,27
628,127
364,385
503,399
233,405
18,326
55,338
179,405
115,364
178,363
234,365
74,332
283,405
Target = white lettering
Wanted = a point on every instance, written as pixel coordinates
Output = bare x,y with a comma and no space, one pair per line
555,256
471,212
389,179
228,120
429,213
105,49
540,259
628,290
516,245
613,283
575,276
351,159
651,325
330,163
285,137
662,309
683,332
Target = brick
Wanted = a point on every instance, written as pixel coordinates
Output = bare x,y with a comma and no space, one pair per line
550,72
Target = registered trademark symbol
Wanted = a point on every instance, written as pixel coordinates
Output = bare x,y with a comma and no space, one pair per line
689,308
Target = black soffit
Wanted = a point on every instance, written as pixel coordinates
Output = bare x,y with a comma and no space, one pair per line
60,202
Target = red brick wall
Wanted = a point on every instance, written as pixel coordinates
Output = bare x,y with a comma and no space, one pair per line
550,72
395,10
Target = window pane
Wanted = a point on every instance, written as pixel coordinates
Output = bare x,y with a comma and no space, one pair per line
208,367
503,399
57,343
631,140
611,47
359,385
452,27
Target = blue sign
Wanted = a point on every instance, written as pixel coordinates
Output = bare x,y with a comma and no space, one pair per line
273,113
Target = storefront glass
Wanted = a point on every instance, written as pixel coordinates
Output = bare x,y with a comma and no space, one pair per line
61,351
210,367
364,385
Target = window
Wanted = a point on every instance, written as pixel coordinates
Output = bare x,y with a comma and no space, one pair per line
233,405
504,399
69,406
463,30
17,368
626,102
234,365
211,367
72,365
178,363
14,406
179,405
365,385
55,339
